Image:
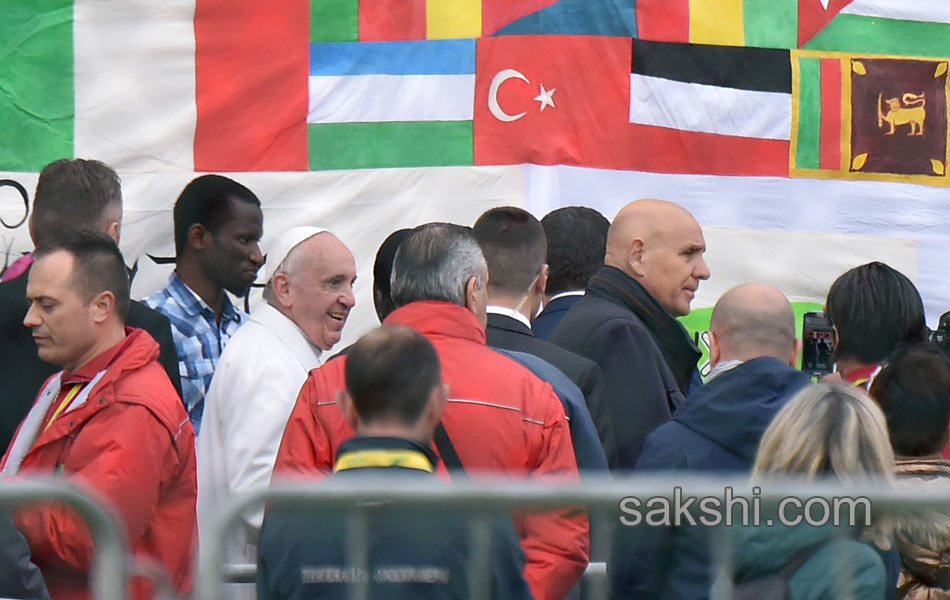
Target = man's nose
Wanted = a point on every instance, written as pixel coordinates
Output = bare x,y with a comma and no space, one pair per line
256,257
348,299
31,319
702,269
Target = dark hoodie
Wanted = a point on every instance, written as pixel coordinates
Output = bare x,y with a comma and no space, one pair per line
717,429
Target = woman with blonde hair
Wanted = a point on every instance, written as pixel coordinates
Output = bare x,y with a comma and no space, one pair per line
827,431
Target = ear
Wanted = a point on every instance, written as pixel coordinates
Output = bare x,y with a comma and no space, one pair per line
435,408
635,256
103,307
199,237
793,360
542,284
280,283
112,230
471,295
345,402
715,352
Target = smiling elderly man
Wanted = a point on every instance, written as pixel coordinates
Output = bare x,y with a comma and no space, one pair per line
308,296
627,323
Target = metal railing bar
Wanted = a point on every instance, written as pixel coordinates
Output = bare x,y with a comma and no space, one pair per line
110,564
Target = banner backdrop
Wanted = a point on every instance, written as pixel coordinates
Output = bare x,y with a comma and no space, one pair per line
806,136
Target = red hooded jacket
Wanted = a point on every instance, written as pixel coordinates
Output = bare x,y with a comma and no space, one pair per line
131,443
500,418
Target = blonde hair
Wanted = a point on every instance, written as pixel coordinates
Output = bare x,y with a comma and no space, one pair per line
827,429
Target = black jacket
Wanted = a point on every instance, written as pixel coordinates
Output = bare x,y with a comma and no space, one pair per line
510,334
611,328
19,578
302,550
21,370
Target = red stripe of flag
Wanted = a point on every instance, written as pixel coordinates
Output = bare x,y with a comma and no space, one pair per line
663,20
829,149
498,13
389,20
664,150
251,70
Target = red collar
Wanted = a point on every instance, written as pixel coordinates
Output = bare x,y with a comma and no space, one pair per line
100,362
862,375
440,318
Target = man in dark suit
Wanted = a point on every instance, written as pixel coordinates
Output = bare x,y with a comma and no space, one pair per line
514,246
70,195
577,241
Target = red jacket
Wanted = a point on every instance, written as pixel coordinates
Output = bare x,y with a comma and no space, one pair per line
500,417
132,443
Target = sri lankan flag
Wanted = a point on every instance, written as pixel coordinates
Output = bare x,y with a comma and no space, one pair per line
858,116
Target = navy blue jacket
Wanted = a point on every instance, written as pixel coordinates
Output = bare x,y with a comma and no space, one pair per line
587,449
544,324
717,429
412,553
19,578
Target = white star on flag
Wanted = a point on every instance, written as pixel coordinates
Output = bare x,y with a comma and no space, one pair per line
545,97
825,3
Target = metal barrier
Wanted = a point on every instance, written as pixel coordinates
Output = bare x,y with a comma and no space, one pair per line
111,564
601,496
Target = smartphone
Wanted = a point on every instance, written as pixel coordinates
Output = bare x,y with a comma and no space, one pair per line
818,345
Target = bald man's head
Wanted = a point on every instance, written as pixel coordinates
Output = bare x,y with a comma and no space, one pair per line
661,245
750,321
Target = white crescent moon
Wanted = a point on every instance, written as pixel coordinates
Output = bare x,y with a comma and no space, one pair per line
496,82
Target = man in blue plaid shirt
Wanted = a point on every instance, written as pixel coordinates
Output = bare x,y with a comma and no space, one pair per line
218,227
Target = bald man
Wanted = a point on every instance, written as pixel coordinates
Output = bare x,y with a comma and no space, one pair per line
626,322
753,350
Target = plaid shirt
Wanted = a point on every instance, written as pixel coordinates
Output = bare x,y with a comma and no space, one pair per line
199,339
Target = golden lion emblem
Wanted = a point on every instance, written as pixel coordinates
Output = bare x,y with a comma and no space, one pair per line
909,109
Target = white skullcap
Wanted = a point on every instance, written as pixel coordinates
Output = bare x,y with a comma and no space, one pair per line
284,243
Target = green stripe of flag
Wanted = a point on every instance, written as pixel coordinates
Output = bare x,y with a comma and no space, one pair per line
36,78
334,20
809,114
771,23
857,33
390,144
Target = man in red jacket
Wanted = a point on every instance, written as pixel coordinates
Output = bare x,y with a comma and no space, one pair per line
500,418
110,421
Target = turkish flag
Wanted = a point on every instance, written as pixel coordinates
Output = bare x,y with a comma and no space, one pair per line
553,99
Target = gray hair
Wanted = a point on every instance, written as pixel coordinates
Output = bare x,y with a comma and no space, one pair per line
290,267
436,263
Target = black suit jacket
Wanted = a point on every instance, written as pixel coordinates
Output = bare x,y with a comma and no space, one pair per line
21,370
511,334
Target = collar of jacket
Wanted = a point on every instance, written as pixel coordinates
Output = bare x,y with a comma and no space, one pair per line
671,337
140,351
437,317
384,452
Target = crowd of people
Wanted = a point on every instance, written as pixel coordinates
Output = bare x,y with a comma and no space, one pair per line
514,347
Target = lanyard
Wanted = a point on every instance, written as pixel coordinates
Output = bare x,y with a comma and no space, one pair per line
62,405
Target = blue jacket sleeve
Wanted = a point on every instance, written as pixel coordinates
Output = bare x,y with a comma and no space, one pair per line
19,578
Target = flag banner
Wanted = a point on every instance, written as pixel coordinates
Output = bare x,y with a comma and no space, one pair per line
709,109
532,92
909,28
391,104
730,91
794,130
868,117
